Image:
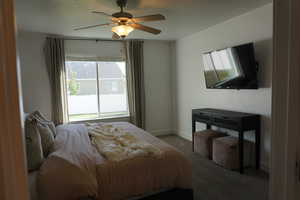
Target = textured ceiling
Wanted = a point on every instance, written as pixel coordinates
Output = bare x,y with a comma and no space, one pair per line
184,17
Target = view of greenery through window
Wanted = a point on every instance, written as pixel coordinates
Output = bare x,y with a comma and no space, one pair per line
96,90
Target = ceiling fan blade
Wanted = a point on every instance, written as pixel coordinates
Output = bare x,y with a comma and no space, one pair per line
102,13
107,15
145,28
91,26
157,17
115,36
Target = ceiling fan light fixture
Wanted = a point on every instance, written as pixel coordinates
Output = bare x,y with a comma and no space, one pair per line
122,30
126,23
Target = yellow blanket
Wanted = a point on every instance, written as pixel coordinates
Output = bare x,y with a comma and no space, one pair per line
115,144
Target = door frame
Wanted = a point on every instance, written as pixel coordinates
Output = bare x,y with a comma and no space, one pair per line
285,105
13,173
285,100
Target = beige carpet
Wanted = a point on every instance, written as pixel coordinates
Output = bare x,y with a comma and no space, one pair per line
212,182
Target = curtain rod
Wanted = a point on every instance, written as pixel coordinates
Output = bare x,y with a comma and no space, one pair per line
89,39
97,40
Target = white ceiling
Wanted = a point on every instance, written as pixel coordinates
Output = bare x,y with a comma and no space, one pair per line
183,17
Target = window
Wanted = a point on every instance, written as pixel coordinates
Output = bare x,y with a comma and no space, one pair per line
96,90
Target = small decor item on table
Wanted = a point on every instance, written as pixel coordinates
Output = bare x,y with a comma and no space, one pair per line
203,141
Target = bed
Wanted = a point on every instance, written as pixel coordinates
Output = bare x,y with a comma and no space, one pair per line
76,169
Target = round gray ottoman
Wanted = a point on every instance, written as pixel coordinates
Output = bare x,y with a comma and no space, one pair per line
226,152
203,142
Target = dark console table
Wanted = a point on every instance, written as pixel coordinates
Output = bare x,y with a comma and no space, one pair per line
237,121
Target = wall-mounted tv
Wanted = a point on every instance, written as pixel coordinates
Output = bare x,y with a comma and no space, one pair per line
231,68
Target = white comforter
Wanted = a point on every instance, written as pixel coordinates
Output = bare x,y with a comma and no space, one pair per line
76,169
115,144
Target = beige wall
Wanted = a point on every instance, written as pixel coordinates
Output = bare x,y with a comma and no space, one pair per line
36,86
255,26
34,76
157,66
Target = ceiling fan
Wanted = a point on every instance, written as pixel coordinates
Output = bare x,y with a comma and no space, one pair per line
124,22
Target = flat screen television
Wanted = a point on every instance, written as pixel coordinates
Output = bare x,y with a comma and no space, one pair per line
231,68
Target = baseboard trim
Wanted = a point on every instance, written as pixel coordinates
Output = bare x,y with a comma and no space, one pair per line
264,167
184,135
161,132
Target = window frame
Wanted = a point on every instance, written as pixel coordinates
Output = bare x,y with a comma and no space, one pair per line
97,60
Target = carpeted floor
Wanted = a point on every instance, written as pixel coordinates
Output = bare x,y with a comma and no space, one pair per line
212,182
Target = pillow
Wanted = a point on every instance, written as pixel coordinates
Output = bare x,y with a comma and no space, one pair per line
34,149
39,116
47,137
46,130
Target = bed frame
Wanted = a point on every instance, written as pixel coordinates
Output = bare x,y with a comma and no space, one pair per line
186,194
177,193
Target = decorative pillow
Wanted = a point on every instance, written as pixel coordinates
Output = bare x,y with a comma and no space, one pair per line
34,149
47,132
38,115
47,137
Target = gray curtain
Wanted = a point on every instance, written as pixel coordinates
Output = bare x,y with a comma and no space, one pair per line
135,82
55,60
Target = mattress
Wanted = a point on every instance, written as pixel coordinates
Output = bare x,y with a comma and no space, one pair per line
76,169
